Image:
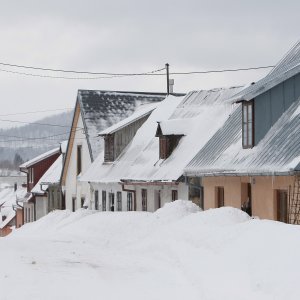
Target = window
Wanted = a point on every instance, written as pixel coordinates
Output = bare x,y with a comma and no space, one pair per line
119,201
129,201
144,200
73,203
103,200
220,196
174,195
96,200
31,175
82,201
282,206
79,159
111,201
248,124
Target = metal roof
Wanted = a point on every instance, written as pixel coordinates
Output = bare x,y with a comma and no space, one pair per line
102,109
277,153
287,67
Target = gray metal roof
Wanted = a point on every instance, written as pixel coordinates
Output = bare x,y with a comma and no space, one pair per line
287,67
277,153
102,109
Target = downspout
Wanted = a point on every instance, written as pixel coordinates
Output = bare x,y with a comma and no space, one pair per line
130,191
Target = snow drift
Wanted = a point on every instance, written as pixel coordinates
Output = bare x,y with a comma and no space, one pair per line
178,252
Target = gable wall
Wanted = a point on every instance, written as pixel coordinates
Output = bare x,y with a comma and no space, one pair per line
269,106
71,185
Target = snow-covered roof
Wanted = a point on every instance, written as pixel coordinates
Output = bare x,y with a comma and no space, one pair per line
39,158
140,160
277,153
8,197
141,112
51,176
101,109
287,67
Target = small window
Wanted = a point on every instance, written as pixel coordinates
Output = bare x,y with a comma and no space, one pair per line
119,201
144,200
73,204
111,201
79,159
220,196
109,148
248,124
31,178
103,200
174,195
96,200
129,201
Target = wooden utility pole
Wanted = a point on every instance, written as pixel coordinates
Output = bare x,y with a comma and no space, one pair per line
168,87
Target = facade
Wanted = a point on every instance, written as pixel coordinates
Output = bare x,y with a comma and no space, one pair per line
94,111
149,171
35,169
252,162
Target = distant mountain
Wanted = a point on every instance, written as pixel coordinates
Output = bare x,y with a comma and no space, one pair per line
25,142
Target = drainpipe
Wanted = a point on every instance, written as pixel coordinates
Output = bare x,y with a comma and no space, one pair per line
134,195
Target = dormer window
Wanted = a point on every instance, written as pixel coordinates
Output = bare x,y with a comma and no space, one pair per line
167,142
109,151
248,124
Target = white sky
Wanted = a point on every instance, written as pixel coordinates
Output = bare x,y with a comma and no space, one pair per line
136,36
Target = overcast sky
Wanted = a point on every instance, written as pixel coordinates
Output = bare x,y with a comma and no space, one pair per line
136,36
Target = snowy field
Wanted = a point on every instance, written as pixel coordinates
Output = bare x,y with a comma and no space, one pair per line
175,253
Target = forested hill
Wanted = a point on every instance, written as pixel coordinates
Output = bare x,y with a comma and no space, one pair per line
22,143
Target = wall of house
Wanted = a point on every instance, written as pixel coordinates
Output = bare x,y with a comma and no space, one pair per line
41,206
19,217
123,136
39,169
5,231
152,204
71,185
263,190
28,212
269,106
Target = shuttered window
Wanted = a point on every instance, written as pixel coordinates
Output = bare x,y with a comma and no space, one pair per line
248,124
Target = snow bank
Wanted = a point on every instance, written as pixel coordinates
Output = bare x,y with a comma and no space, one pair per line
178,252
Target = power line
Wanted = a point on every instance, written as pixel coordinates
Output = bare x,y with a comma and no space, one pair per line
42,124
34,112
119,75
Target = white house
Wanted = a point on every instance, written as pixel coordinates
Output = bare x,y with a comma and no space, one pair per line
149,171
94,111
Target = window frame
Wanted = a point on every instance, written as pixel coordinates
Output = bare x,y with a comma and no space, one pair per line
119,201
144,199
247,141
129,201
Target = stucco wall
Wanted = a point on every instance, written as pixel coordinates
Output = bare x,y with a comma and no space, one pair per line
263,190
71,186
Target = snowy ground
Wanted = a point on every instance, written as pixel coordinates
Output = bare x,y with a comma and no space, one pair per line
175,253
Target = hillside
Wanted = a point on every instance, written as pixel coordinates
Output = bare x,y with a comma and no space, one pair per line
31,140
177,252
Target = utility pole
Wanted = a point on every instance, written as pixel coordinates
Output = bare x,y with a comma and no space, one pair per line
168,87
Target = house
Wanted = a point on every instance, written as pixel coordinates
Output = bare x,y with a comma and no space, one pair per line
35,169
148,172
252,162
95,111
47,192
8,195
